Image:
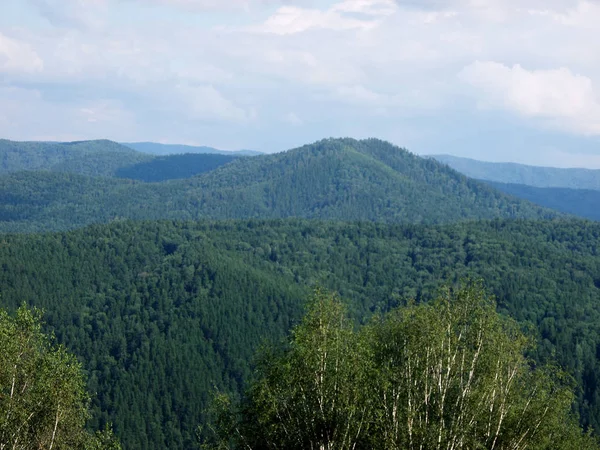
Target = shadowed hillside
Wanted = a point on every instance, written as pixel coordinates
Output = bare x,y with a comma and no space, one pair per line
154,148
173,167
335,179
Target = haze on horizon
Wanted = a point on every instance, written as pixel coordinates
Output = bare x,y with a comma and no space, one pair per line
495,80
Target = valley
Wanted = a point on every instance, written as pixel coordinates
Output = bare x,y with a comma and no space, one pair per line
166,285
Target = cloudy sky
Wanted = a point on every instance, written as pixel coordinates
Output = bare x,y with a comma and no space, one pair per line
499,80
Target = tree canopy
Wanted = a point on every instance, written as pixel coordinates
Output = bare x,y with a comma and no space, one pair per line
450,374
333,179
43,402
160,313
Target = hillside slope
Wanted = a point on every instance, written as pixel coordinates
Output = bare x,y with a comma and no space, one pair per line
335,179
93,158
154,148
173,167
162,313
578,202
522,174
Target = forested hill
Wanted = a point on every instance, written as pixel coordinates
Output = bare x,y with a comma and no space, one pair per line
173,167
338,179
93,158
161,313
154,148
522,174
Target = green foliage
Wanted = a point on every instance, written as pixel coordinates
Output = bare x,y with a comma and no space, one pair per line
43,402
154,148
161,313
333,179
92,158
450,374
314,393
173,167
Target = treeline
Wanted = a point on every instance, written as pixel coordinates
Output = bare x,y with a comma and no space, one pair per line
161,313
333,179
92,158
103,158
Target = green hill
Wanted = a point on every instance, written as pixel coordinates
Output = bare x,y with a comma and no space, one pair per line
93,158
161,313
154,148
173,167
337,179
522,174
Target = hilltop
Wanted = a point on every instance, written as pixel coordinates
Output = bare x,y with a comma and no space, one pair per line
92,158
154,148
333,179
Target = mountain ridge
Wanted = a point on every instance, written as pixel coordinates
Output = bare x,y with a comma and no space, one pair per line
332,179
155,148
100,157
515,173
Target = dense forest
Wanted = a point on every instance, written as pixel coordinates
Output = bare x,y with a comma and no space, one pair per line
336,179
154,148
173,167
164,275
161,313
43,399
449,373
103,158
93,158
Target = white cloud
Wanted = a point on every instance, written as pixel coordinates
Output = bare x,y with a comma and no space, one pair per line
85,14
207,103
569,101
208,5
346,15
292,119
193,68
105,111
16,57
62,120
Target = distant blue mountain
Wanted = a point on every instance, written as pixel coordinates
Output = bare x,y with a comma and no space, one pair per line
570,191
543,177
154,148
579,202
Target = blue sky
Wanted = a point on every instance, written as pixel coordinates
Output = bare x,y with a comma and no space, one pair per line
498,80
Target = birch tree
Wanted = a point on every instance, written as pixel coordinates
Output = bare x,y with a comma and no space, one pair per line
311,396
43,402
452,375
446,375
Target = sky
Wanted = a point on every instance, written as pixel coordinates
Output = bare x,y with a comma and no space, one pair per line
496,80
